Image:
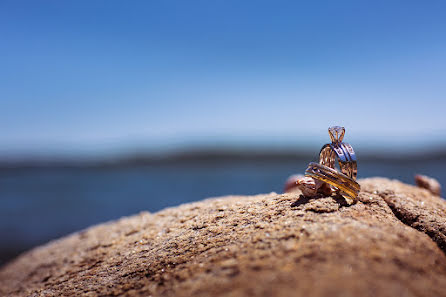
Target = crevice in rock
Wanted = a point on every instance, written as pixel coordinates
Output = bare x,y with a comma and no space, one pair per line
412,220
321,210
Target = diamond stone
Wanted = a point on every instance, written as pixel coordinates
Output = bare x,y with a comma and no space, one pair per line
336,133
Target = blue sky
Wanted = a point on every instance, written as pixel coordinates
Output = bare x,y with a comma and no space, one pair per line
96,77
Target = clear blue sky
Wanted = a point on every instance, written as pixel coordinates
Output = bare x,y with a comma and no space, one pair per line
109,76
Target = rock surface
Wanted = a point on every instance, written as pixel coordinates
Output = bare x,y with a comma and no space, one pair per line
391,243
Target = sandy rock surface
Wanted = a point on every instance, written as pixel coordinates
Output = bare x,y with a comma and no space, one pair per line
391,243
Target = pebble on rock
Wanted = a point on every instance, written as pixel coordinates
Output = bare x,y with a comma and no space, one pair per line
428,183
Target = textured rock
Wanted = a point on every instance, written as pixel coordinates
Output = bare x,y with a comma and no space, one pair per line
391,243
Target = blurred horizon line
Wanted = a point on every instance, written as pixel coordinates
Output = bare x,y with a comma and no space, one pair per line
159,147
203,155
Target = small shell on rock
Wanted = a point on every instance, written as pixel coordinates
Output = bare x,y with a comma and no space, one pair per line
325,189
308,186
428,183
290,184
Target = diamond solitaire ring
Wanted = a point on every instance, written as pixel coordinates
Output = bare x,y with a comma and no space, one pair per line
341,151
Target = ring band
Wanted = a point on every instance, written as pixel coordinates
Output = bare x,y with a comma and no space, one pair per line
342,151
346,158
348,188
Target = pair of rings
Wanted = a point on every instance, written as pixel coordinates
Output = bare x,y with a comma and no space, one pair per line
343,181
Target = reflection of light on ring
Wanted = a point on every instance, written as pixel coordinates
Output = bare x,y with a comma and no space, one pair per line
347,186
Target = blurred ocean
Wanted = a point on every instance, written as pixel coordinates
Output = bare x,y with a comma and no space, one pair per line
43,203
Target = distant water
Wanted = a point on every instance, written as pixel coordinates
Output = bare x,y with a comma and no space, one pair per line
45,203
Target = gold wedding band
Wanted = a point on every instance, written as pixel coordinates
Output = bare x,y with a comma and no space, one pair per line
348,188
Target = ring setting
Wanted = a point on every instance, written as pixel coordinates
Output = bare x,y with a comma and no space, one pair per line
341,151
343,181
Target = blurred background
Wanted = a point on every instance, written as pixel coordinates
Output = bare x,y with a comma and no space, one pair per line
109,108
